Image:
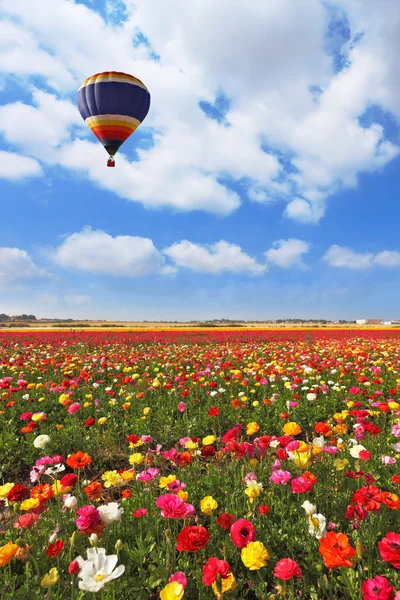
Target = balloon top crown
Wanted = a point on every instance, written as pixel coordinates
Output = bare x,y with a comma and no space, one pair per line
112,76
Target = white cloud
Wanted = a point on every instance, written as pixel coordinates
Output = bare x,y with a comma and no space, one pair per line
213,258
288,253
17,265
338,256
267,78
15,166
387,258
99,252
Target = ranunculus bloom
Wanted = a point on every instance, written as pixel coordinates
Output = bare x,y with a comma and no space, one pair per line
181,407
286,568
74,408
55,549
180,578
17,493
68,480
300,484
192,539
213,567
74,568
173,507
89,516
78,460
263,509
26,521
336,551
389,548
90,421
242,533
368,497
254,556
140,512
225,521
377,589
280,477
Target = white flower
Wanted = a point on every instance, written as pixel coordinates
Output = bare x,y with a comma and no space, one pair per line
96,385
274,444
41,441
396,447
316,525
308,370
110,513
25,397
311,397
55,469
221,390
212,394
355,450
70,501
319,441
98,569
309,508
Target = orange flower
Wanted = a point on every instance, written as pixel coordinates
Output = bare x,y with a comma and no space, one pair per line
7,553
335,550
391,500
78,460
94,490
42,492
235,403
310,477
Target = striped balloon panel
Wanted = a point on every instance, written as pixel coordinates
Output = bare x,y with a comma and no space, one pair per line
113,105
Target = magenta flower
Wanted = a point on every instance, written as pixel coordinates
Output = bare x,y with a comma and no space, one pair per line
280,477
173,507
89,516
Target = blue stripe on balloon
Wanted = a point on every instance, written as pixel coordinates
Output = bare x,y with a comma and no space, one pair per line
113,98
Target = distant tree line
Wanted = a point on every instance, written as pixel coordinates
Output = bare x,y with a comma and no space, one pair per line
5,318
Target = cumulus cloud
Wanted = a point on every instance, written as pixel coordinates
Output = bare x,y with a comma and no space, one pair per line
17,265
277,139
213,258
288,253
14,167
338,256
99,252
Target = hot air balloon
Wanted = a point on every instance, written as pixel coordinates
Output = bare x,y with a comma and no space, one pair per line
113,105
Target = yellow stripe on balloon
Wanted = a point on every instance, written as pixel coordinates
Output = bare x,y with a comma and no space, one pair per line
122,120
113,78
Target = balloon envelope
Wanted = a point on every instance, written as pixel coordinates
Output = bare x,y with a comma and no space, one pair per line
113,105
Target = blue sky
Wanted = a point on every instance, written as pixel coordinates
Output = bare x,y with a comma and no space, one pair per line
262,184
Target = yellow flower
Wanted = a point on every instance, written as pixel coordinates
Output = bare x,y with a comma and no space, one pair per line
50,579
182,494
256,403
4,489
208,440
208,504
63,398
254,556
58,489
29,504
136,444
393,405
112,478
102,420
136,458
172,591
7,552
87,404
164,481
252,427
38,417
112,402
156,383
228,584
146,411
89,396
301,459
253,489
127,475
191,445
30,386
291,428
341,463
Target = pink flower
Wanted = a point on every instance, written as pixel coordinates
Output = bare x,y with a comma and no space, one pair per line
301,484
330,449
242,533
354,390
293,404
26,521
396,430
388,460
377,589
180,578
89,516
173,507
286,568
26,416
140,512
147,475
181,407
74,408
292,446
146,439
280,477
176,486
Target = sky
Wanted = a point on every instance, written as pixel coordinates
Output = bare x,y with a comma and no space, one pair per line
263,183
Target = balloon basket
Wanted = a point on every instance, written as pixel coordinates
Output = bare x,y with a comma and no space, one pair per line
111,162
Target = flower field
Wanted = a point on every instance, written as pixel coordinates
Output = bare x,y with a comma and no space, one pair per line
195,465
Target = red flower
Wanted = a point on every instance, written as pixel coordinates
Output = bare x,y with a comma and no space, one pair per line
74,568
192,538
90,421
17,493
214,411
365,455
286,568
132,438
126,494
389,548
263,509
214,567
68,480
140,512
242,533
208,451
396,479
356,513
368,497
55,549
225,521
